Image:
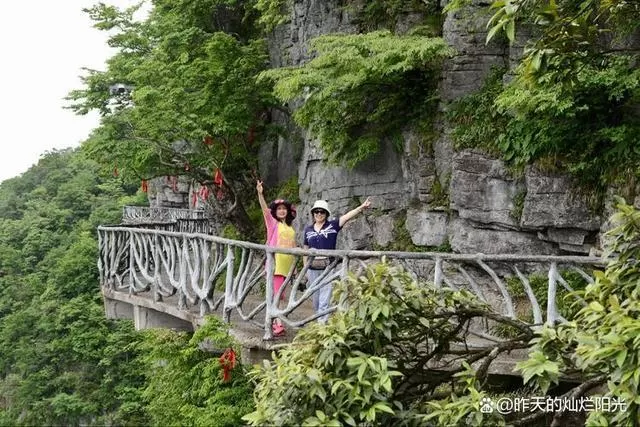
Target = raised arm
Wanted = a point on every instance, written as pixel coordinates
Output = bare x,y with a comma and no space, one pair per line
352,213
263,203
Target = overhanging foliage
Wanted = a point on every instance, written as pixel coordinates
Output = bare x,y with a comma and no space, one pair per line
362,89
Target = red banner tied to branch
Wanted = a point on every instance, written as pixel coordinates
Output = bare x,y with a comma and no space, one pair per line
145,186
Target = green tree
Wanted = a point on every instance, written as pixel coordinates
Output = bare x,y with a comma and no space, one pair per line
571,103
198,394
193,106
61,361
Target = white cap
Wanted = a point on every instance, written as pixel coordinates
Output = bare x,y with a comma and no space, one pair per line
321,204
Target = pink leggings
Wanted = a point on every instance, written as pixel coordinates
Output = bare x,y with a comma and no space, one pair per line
278,280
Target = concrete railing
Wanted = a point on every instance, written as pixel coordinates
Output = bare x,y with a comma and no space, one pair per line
211,272
142,214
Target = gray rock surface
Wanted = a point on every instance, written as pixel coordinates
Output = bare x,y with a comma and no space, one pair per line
551,201
483,190
427,228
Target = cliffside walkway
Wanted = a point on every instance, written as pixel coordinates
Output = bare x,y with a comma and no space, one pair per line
166,270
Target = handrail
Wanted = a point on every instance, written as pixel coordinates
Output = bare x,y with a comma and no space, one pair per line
210,271
157,214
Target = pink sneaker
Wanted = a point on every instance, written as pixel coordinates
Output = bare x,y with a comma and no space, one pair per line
277,329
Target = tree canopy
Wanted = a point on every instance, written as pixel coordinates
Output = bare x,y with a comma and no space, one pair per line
179,97
61,361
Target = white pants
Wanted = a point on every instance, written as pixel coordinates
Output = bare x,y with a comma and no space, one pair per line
322,297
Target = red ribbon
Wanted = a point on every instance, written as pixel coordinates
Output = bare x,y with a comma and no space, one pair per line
204,193
228,362
217,178
145,186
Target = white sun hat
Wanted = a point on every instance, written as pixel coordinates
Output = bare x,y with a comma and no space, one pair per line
321,204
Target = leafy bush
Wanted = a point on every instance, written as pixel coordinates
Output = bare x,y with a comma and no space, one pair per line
587,128
601,343
381,361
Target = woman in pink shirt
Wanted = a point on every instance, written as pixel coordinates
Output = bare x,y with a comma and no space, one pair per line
278,216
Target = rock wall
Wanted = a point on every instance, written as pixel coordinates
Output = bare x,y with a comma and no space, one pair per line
465,200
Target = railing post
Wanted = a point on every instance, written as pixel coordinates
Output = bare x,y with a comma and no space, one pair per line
182,274
229,300
437,275
551,295
101,258
157,296
131,262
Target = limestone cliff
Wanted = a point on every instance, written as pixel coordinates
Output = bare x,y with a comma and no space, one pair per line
466,199
429,193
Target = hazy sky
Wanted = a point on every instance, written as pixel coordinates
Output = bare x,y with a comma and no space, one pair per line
44,45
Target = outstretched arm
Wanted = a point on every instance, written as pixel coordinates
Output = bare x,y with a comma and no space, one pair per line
352,213
263,203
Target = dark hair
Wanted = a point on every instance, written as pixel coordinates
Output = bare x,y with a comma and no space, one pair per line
291,210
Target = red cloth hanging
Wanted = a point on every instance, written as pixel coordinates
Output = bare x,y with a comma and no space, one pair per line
145,186
227,362
207,140
204,193
217,178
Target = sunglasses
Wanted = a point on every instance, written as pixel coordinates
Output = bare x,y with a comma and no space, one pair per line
316,212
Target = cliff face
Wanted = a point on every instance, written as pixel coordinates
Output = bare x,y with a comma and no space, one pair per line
465,199
427,194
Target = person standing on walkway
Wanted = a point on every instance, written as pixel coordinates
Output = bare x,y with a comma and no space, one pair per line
278,216
323,234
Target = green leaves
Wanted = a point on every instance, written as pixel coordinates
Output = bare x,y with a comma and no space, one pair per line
62,361
538,366
190,81
584,127
359,370
602,342
362,89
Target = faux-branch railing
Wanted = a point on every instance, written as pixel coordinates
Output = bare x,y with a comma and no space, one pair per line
208,271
